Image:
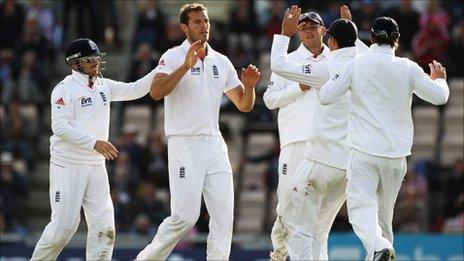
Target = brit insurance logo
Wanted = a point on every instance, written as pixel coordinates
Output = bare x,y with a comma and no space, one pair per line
85,101
195,70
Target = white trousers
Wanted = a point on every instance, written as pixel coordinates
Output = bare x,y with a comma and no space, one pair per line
197,165
316,196
73,186
290,156
372,189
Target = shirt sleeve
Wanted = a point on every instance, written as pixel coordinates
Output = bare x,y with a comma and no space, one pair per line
361,47
314,75
433,91
121,91
62,110
336,87
232,79
280,92
168,63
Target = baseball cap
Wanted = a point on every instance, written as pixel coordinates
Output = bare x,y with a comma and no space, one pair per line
311,16
344,31
385,27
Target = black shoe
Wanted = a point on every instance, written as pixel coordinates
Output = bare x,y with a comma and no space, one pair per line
385,254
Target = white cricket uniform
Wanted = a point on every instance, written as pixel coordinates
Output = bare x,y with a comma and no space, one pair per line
295,123
380,133
198,159
78,176
318,186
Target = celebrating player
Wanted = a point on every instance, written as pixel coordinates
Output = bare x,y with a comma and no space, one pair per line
296,112
381,130
192,78
79,146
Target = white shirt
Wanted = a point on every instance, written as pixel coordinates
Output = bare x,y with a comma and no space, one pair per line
381,86
296,107
328,144
192,108
81,114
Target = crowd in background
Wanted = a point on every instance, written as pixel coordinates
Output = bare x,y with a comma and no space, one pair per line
34,33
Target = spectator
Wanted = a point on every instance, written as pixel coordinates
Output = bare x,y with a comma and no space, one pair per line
128,143
455,224
411,209
121,211
408,20
154,161
11,19
143,226
14,186
124,179
455,52
454,188
148,205
150,25
44,16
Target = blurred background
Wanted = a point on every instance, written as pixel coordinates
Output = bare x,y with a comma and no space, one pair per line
429,216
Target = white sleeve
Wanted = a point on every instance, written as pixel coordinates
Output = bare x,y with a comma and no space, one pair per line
314,75
280,92
361,47
435,92
232,79
168,62
335,88
62,110
121,91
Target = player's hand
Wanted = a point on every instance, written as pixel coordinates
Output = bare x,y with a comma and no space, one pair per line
195,51
250,76
290,22
437,70
304,87
106,149
345,12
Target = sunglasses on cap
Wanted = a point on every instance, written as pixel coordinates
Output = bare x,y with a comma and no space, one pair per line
314,17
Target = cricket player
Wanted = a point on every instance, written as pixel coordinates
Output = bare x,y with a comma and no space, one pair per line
317,189
192,78
295,103
80,108
381,130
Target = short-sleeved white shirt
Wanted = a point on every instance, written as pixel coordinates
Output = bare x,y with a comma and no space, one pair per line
192,108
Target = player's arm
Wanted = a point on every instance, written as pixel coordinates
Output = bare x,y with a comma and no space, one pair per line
313,75
432,88
345,13
243,95
121,91
281,92
61,111
163,84
336,87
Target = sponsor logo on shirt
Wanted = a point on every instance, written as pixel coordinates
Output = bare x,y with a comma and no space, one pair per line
307,69
335,77
161,62
102,94
271,83
215,72
60,101
195,70
86,101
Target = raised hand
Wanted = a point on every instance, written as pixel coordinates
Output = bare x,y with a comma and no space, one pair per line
290,22
345,12
250,76
195,51
106,149
437,70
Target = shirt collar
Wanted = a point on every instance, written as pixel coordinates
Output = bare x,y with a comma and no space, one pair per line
386,49
186,44
308,54
83,80
346,51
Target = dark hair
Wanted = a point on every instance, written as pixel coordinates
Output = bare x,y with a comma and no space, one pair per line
385,30
188,8
344,32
